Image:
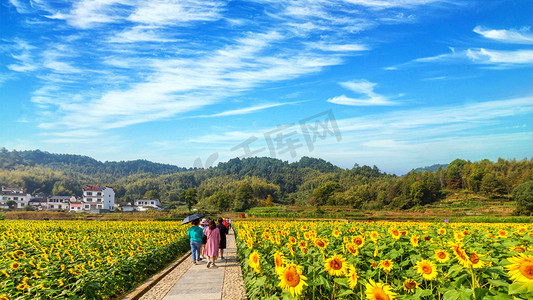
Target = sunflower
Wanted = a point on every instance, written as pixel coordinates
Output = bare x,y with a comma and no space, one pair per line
5,273
503,233
395,233
4,297
427,269
442,255
253,261
379,291
386,265
336,233
442,231
321,243
374,236
359,241
292,240
15,265
458,235
21,287
61,283
291,279
352,277
518,248
336,266
409,285
461,255
476,262
414,240
521,268
250,244
352,248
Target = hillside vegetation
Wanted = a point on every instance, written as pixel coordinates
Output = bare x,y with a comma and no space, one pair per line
240,184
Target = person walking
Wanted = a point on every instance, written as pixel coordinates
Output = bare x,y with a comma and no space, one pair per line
229,223
213,240
204,227
195,234
223,231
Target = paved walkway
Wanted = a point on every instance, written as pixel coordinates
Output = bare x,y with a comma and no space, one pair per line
201,283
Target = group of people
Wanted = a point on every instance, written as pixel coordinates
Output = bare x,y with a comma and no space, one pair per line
208,239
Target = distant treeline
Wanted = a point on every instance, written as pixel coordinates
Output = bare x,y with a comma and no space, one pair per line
240,184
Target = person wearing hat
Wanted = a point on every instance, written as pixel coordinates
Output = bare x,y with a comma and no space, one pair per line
204,227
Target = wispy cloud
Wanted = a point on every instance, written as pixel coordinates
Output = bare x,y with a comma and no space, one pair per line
504,58
247,110
495,58
362,87
513,36
25,59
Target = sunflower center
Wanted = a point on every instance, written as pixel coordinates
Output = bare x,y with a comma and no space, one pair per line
426,269
410,285
442,255
255,259
526,269
380,294
336,264
292,278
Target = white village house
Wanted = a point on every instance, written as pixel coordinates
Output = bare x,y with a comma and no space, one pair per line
14,194
59,202
98,198
146,204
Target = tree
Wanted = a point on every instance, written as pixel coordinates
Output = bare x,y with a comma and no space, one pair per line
523,195
244,197
11,204
190,197
152,194
221,200
493,185
268,202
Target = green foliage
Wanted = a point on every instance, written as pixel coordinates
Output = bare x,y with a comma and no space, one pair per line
190,197
523,195
241,184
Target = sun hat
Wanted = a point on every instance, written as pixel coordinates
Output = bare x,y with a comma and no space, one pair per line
204,222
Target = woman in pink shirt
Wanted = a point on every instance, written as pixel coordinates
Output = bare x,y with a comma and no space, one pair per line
213,240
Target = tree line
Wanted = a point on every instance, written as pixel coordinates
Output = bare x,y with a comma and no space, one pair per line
240,184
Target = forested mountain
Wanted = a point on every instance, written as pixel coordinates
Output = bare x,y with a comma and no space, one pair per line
243,183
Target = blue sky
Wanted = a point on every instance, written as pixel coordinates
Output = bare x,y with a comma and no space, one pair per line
398,84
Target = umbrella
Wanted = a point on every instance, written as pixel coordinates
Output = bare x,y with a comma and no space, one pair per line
192,218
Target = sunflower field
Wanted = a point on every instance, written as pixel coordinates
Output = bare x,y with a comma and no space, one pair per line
385,260
83,260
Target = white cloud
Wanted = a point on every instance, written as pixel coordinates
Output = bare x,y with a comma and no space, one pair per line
513,36
363,87
140,34
24,57
485,56
340,47
496,58
247,110
162,12
19,6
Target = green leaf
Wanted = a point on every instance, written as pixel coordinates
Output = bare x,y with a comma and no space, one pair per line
451,295
497,282
520,288
346,293
342,282
480,293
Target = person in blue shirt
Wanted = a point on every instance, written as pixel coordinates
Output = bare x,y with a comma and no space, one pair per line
195,234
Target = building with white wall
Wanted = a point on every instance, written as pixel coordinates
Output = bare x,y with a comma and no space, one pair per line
14,194
98,198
